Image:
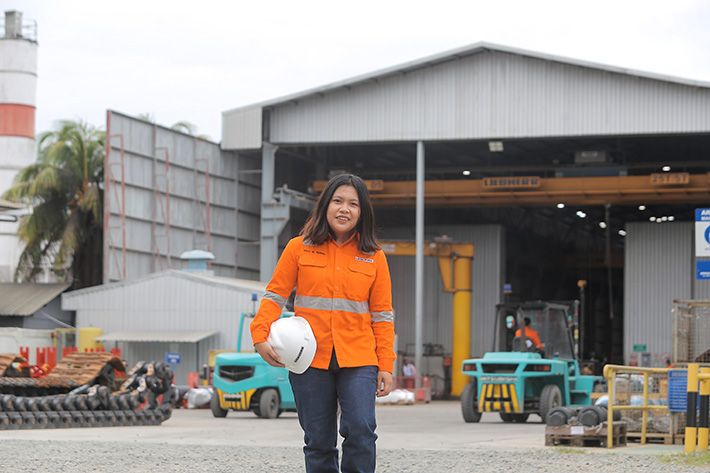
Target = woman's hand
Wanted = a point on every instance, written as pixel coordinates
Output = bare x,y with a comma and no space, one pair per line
384,383
268,354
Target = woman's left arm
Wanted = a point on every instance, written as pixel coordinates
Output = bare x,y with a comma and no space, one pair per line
382,316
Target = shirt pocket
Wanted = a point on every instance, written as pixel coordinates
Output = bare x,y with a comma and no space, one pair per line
361,277
312,274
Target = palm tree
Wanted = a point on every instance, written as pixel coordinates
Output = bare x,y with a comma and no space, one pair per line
65,190
183,126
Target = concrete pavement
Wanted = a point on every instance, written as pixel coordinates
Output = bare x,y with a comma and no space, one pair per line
437,425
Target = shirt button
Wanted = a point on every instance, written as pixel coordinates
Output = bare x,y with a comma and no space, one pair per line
338,268
337,288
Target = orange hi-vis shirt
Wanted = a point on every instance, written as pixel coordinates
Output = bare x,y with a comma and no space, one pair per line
531,334
343,293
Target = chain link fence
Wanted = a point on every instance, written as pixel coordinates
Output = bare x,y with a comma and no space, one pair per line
691,332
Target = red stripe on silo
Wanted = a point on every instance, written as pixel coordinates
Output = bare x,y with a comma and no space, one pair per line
17,120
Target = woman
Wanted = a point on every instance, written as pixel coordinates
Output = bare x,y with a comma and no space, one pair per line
343,290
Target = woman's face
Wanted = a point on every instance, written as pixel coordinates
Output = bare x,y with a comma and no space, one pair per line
343,212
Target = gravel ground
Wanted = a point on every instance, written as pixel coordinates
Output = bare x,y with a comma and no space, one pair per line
129,457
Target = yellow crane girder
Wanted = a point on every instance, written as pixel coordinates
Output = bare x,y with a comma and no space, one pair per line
666,188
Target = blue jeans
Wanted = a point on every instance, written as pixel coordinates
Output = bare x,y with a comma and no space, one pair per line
317,393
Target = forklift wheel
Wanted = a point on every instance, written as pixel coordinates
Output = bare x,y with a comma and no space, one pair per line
217,410
520,418
506,417
469,403
269,404
549,398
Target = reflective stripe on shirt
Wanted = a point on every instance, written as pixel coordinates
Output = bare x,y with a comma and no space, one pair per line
324,303
384,316
272,296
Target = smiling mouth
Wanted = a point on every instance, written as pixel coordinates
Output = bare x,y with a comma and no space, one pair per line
343,219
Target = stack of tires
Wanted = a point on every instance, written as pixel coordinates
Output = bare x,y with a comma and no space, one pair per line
145,398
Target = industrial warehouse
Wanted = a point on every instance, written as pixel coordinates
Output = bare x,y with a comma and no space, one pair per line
556,171
498,176
571,180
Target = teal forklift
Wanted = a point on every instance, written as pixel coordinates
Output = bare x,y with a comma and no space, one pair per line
243,381
517,378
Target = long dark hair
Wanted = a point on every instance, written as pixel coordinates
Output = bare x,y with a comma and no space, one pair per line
317,230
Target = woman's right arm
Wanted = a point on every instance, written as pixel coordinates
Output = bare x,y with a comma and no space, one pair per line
277,292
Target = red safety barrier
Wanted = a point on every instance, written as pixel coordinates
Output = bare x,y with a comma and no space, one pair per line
68,350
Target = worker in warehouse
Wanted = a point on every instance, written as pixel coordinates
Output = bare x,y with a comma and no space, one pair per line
344,293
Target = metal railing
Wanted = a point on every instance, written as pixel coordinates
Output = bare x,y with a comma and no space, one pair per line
610,373
28,32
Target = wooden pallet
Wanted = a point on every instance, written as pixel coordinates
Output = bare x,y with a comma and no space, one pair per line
581,436
667,439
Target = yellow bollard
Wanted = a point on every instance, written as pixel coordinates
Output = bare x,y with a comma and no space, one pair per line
704,404
691,411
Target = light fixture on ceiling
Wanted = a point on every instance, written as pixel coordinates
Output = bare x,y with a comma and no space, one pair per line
560,205
652,219
666,168
602,224
581,214
642,207
622,232
466,172
495,146
671,218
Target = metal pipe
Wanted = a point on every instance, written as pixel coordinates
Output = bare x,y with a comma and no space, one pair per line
419,258
704,415
691,423
461,323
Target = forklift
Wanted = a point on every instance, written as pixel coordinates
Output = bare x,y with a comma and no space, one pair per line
517,378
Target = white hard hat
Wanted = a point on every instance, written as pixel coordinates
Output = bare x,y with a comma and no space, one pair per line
293,340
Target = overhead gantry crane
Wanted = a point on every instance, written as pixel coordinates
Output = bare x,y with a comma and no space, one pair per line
665,188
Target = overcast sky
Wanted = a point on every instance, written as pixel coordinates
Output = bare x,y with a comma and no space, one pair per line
186,60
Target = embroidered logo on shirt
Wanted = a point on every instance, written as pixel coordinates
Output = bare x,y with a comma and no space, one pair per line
366,260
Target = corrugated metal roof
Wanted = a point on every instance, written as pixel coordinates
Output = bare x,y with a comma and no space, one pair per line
230,283
25,299
172,336
483,91
7,205
460,53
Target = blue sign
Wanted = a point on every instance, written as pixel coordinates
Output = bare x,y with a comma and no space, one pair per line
677,390
702,232
703,269
507,289
173,358
702,215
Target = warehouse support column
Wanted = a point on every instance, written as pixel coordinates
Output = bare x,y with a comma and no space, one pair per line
419,258
269,237
461,323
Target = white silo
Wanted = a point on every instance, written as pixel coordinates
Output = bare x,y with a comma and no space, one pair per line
18,98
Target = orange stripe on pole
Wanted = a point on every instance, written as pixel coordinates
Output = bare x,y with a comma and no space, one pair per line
17,120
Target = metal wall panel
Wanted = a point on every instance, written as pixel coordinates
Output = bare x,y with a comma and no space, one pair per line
241,129
146,147
492,95
658,269
487,287
167,299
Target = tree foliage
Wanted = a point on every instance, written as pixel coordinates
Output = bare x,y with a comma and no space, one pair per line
64,188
